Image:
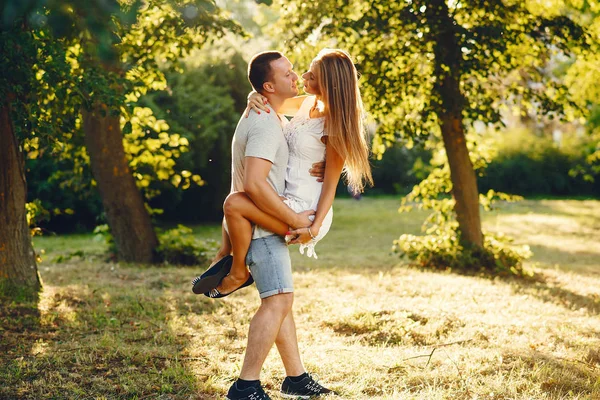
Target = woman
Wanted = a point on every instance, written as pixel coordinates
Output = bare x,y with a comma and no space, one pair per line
327,124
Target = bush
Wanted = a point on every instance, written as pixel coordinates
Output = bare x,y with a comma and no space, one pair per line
399,170
532,165
178,246
443,251
71,199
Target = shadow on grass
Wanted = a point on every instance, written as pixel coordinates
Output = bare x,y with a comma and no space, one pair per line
586,208
103,330
577,261
548,291
20,330
556,377
540,286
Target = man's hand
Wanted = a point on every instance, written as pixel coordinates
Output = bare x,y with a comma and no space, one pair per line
302,220
318,171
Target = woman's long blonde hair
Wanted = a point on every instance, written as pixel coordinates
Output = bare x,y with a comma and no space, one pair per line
337,79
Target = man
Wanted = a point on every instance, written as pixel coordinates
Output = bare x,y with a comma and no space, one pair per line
260,157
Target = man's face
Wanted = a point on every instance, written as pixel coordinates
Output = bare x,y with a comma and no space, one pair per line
283,80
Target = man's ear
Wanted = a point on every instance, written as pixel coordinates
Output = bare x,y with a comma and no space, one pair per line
268,86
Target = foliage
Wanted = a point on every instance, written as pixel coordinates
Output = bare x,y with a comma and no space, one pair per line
399,169
586,68
534,164
35,40
443,251
36,213
66,73
440,248
204,104
102,233
61,179
415,84
162,34
505,47
179,246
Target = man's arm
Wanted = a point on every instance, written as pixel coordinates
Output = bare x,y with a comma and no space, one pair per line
265,197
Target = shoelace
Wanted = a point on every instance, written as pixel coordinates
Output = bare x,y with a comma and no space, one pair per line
258,395
314,385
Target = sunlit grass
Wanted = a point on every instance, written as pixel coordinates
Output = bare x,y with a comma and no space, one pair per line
368,325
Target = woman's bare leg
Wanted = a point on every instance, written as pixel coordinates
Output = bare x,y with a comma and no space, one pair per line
225,248
240,213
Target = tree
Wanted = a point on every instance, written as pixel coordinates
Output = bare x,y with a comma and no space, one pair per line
163,32
42,43
25,43
18,267
434,67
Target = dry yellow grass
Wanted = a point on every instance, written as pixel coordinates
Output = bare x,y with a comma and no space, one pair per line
369,326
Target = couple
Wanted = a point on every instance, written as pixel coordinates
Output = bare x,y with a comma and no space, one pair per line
271,159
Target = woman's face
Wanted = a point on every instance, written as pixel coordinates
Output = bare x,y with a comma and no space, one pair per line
311,85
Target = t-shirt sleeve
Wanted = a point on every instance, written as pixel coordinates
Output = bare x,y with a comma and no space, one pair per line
263,140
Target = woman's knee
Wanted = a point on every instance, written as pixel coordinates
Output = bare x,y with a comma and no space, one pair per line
234,203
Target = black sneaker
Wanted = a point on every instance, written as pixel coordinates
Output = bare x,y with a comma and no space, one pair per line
251,393
305,389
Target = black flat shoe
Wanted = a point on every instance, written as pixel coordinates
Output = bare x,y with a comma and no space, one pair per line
213,276
215,294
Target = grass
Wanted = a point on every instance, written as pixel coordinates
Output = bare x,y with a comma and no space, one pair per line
369,325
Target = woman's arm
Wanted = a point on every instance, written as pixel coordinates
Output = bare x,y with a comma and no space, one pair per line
291,106
334,164
257,102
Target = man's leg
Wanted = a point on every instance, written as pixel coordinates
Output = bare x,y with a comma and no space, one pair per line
265,328
287,345
269,261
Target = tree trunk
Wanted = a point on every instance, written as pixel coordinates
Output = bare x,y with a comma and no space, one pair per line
464,182
448,58
18,269
125,210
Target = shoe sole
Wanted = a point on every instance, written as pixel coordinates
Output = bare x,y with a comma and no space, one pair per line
248,282
228,398
210,282
294,396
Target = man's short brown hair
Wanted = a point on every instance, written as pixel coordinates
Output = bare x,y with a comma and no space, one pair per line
259,68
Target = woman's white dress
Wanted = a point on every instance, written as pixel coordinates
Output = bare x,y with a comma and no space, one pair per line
302,191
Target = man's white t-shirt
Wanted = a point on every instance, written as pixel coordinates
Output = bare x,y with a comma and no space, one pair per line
261,136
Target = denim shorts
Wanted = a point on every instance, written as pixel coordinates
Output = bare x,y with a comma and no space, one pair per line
270,265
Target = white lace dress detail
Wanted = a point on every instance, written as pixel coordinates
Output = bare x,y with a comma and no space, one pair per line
302,191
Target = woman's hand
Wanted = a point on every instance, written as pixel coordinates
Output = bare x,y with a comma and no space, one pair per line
257,102
302,235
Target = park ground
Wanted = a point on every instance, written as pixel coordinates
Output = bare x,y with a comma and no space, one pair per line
369,325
